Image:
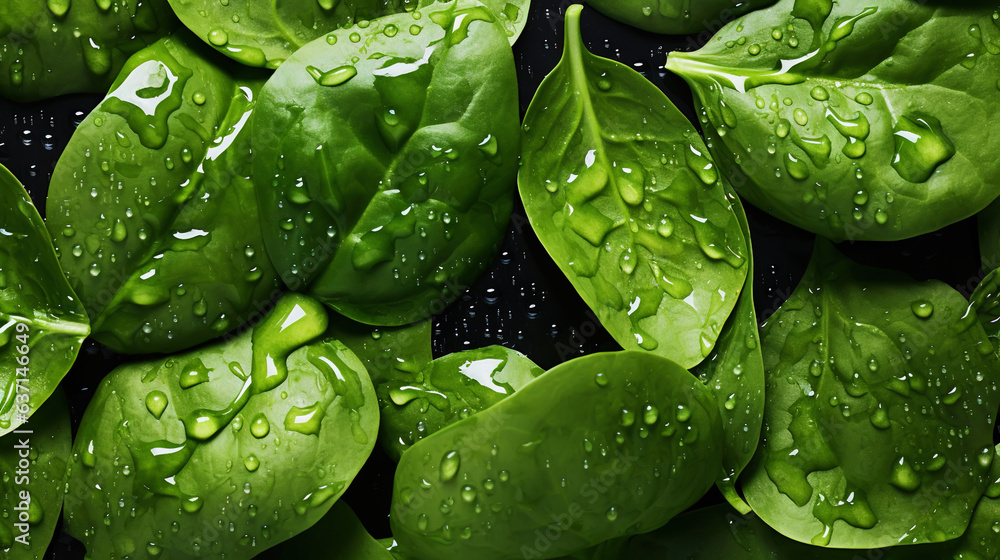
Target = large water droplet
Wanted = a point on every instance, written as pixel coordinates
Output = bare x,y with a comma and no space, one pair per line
305,420
156,403
260,427
337,76
450,464
921,147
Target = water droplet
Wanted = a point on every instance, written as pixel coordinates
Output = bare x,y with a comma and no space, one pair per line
921,147
468,494
650,415
305,420
683,413
703,167
337,76
218,37
923,309
801,117
904,477
194,373
819,93
58,7
449,466
156,403
260,427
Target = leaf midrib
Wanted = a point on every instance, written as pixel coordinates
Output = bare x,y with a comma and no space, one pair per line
575,54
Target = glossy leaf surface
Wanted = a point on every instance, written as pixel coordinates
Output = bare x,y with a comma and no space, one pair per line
598,447
385,161
881,400
42,323
387,352
718,532
152,208
621,191
735,373
854,120
258,34
28,524
53,47
243,31
263,432
675,16
451,388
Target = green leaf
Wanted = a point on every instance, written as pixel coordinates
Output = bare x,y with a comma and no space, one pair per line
881,404
247,33
42,323
54,47
32,496
453,387
385,162
266,34
339,528
511,14
598,447
620,190
675,16
718,532
980,540
152,208
227,450
387,352
854,120
735,373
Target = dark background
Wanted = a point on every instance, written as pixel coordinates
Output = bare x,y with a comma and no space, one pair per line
523,301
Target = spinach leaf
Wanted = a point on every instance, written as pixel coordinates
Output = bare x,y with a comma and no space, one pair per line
258,35
980,540
33,463
227,450
675,16
880,410
989,236
450,389
385,161
152,208
620,190
735,373
598,447
53,47
511,14
243,31
339,528
387,352
852,119
42,323
718,532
